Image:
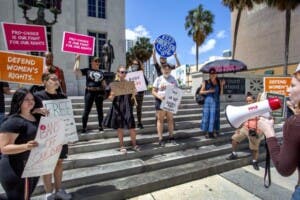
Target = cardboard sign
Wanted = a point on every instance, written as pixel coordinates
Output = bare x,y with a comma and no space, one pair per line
165,45
277,85
62,108
21,68
42,159
122,88
24,37
78,43
138,79
172,99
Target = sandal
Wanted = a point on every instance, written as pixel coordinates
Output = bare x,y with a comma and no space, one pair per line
123,150
136,148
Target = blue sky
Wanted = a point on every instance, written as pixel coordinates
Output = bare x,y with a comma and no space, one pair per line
152,18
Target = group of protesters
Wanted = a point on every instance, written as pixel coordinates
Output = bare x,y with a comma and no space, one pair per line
18,129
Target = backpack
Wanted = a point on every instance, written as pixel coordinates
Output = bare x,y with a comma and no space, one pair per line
199,97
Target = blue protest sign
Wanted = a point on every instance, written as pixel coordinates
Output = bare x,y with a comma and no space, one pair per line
165,45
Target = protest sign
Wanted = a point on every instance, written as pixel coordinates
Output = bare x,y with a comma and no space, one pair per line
43,158
277,85
278,112
62,108
165,45
21,68
78,43
138,79
24,37
172,99
122,88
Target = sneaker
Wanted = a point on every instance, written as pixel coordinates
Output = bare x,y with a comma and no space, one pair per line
255,165
123,150
140,126
83,130
172,140
136,148
101,129
49,196
232,157
62,194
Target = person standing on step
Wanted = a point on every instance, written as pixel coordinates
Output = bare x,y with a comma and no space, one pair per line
52,69
120,115
52,83
158,91
17,134
212,89
138,66
249,130
286,157
94,91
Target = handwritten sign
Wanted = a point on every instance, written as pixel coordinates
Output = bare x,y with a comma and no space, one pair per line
62,108
277,85
78,43
122,88
172,99
138,79
24,37
165,45
21,68
42,159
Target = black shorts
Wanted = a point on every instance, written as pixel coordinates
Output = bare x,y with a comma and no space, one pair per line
157,104
64,152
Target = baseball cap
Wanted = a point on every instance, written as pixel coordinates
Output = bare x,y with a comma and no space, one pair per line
297,69
96,59
212,71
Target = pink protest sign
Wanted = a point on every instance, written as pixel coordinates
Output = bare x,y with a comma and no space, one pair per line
78,43
24,37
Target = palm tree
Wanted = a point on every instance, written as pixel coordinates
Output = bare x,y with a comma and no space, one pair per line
198,23
142,51
239,5
287,6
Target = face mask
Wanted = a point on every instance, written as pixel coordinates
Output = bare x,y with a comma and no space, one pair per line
134,67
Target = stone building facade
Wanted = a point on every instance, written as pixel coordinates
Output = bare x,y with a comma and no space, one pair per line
104,19
261,39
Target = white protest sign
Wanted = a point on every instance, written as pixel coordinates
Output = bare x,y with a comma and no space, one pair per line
138,79
50,137
172,99
62,108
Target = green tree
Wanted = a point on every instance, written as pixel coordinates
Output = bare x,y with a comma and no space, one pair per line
198,23
287,6
142,51
239,5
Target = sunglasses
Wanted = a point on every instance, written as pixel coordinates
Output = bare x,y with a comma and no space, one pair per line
123,72
53,79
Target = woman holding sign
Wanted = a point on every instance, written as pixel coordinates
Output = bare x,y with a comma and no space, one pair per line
120,115
17,135
138,66
51,83
158,91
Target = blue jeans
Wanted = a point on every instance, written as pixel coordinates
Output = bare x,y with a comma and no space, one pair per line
2,115
296,194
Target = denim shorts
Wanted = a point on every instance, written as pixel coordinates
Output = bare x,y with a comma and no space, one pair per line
296,194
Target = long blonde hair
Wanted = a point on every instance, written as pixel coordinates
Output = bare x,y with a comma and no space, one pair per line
118,69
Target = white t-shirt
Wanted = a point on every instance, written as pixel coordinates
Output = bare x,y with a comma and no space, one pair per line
161,81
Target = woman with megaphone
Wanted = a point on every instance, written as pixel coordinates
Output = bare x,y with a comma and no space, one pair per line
286,158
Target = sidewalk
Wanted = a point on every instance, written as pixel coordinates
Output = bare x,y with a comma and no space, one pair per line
242,183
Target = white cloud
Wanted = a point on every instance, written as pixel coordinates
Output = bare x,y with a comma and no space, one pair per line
139,31
221,34
209,45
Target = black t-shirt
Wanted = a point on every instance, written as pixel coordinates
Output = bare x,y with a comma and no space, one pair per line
26,131
2,103
94,78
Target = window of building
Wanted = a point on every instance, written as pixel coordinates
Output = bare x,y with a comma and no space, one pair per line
100,39
97,8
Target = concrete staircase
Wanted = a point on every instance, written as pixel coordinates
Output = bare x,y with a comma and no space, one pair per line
95,169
